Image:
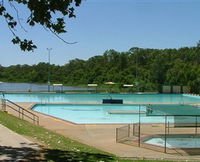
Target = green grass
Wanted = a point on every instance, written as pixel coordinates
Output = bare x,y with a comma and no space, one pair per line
55,147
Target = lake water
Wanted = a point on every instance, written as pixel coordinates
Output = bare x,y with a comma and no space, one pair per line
25,87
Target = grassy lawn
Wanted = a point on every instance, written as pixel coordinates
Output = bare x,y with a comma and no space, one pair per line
55,147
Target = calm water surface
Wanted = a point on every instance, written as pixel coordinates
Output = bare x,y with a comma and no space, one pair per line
97,98
25,87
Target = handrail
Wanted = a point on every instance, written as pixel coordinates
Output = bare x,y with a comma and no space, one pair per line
21,111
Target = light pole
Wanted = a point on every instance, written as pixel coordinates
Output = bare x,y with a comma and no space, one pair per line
136,72
49,83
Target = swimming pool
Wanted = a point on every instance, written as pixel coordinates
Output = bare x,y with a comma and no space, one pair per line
87,108
175,141
109,113
95,114
97,98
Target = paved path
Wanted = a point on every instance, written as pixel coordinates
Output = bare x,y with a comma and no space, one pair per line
14,147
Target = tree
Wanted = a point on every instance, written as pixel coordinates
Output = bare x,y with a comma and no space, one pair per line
48,13
198,44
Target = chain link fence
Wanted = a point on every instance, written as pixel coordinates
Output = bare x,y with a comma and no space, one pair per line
178,135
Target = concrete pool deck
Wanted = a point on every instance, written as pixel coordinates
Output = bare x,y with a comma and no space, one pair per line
103,136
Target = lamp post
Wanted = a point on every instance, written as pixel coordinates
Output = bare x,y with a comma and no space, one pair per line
49,83
136,73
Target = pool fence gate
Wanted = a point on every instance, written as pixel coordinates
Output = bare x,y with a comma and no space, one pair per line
139,134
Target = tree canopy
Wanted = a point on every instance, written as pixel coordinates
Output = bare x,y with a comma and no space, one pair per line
48,13
149,68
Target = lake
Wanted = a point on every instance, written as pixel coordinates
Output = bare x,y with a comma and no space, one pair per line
25,87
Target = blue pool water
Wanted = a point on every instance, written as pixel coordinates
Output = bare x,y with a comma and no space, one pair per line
97,98
96,114
87,108
175,141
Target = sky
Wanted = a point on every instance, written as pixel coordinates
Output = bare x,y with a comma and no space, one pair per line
101,25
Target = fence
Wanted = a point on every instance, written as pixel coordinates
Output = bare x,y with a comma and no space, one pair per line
122,133
169,137
166,89
175,89
13,108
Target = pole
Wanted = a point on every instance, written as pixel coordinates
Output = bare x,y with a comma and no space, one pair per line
136,71
3,103
165,134
196,125
117,134
49,83
139,129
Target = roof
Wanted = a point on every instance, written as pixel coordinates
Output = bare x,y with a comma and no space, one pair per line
92,85
128,85
109,83
57,84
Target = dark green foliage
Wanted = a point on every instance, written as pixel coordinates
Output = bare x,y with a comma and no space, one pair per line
146,68
42,12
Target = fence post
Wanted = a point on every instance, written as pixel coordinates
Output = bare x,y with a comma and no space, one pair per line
139,129
22,114
168,128
116,134
37,120
196,126
3,105
19,112
165,134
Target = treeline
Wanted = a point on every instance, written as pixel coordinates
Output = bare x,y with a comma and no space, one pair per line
147,69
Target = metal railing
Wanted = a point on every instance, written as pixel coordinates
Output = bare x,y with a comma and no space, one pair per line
22,113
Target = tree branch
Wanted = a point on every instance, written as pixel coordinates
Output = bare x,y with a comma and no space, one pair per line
10,28
17,13
61,38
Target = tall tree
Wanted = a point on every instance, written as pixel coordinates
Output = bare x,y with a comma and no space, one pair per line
48,13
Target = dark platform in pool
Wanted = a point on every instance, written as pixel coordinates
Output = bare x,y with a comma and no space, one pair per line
112,101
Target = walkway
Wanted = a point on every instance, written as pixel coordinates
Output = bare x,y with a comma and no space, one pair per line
14,147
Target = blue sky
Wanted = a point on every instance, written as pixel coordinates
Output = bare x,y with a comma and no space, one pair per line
101,25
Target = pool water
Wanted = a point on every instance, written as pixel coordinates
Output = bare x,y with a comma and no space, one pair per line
87,108
113,113
175,141
97,114
97,98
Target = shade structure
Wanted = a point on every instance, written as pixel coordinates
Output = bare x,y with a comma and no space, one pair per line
128,85
109,83
57,84
92,85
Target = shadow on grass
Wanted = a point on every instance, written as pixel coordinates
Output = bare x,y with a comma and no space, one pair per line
59,155
19,154
31,154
